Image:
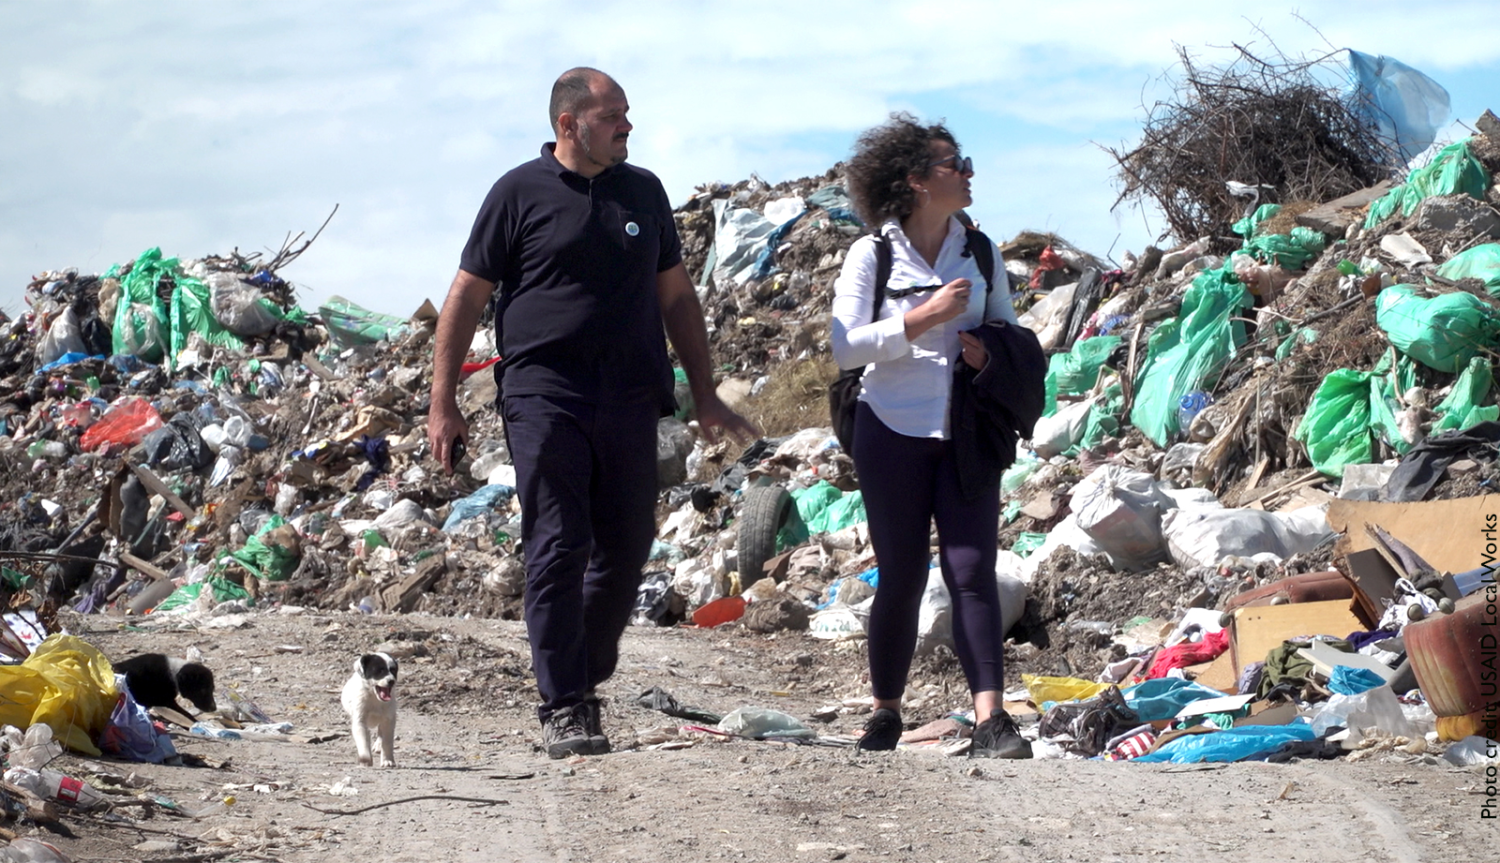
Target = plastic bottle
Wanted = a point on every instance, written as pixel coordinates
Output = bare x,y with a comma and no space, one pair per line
28,850
217,808
36,750
58,787
46,449
237,431
1190,406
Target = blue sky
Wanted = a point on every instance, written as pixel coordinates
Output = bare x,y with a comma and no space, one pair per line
204,126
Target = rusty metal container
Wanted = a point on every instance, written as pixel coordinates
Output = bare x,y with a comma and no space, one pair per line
1307,587
1456,658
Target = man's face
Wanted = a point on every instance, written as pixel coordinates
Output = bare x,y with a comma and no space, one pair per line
603,128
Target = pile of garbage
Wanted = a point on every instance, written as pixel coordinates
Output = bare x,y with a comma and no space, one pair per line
180,439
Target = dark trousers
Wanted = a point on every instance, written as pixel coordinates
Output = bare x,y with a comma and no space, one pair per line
909,482
586,480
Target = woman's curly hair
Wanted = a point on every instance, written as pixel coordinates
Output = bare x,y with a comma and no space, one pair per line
883,159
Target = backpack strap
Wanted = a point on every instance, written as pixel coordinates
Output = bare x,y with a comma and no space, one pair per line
979,245
882,272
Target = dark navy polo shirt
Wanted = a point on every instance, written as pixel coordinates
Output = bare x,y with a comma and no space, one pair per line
575,261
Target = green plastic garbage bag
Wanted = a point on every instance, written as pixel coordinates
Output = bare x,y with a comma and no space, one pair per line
847,510
1028,542
1289,251
141,326
1075,372
1185,354
1250,225
268,560
349,324
813,500
1336,428
1461,410
1443,332
1480,262
1306,336
223,590
192,312
1021,470
1103,420
1454,171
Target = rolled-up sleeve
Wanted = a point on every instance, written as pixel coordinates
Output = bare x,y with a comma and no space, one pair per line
858,339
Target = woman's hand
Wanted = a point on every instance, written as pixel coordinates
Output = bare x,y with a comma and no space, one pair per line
947,303
973,351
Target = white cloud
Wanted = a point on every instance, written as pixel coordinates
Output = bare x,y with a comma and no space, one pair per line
197,127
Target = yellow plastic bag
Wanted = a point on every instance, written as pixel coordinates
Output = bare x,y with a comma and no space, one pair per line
66,683
1044,689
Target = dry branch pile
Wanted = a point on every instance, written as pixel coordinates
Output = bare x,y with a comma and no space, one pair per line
1266,123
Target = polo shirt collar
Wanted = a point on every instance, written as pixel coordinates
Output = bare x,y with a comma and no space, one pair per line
549,158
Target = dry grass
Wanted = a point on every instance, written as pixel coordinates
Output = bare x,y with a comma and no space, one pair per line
795,397
1286,219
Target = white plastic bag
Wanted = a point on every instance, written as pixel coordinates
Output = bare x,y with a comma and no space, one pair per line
1203,537
1121,510
1058,433
65,336
1372,713
241,308
764,722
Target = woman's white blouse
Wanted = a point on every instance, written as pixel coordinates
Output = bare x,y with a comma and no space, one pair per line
906,382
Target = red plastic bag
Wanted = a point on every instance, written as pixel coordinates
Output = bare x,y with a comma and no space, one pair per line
126,423
720,611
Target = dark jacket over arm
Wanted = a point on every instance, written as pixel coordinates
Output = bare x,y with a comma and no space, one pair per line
991,409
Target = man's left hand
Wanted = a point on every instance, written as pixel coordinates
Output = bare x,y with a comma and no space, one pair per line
715,417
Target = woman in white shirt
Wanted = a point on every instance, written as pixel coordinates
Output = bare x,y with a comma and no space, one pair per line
912,181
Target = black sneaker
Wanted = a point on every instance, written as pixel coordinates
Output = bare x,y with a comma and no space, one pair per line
882,731
564,734
998,737
593,725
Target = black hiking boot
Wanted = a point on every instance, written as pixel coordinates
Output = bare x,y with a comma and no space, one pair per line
593,724
564,733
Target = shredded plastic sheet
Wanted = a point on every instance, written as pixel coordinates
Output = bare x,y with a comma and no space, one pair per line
1480,262
67,684
1453,171
1186,352
1405,106
350,324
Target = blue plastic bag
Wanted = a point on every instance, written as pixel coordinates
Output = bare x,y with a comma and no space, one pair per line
1352,681
1405,106
1231,744
487,498
1164,697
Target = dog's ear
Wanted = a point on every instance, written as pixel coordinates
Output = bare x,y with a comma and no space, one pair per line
359,664
390,664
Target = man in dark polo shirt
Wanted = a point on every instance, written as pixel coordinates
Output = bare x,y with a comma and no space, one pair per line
585,254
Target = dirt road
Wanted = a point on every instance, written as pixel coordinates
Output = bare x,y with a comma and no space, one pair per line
467,730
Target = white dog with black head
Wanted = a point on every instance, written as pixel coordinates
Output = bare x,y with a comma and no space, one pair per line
370,700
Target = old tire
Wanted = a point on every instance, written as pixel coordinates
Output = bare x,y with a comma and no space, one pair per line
763,514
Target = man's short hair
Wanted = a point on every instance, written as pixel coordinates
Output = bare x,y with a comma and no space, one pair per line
574,91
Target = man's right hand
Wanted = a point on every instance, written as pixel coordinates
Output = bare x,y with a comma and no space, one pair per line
445,424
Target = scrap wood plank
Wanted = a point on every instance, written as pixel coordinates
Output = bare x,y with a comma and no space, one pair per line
153,482
1309,478
145,566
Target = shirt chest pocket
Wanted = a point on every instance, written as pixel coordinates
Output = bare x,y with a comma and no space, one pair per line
637,233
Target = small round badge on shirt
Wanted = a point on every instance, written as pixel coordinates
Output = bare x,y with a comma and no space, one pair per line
632,228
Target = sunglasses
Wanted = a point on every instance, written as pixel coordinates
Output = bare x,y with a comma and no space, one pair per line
961,164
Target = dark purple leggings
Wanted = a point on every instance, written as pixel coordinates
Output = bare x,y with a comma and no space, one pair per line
907,483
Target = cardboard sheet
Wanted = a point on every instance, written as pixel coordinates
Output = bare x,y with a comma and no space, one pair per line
1259,628
1447,533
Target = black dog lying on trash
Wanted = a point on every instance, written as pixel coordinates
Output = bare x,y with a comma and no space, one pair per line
155,680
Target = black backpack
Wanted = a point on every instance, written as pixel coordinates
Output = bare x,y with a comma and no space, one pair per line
843,393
